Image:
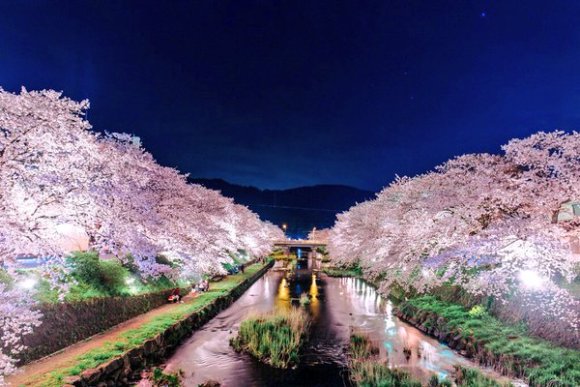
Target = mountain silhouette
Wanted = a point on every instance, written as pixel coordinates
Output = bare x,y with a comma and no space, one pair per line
301,208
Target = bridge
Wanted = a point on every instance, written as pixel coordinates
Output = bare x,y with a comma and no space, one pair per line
302,243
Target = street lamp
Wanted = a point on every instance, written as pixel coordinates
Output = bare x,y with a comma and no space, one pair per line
284,227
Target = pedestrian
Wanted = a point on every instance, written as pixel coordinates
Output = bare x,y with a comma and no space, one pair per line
175,296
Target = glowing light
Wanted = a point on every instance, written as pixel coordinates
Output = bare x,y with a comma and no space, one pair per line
130,281
27,283
283,298
133,289
313,288
314,302
530,279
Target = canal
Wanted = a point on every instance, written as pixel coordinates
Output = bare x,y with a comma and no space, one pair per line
338,306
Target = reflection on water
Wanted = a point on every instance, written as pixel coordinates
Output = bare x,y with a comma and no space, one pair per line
337,306
283,296
314,301
401,345
361,308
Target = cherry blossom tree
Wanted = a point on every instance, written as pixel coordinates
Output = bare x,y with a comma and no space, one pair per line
59,179
45,148
16,320
56,172
483,221
319,235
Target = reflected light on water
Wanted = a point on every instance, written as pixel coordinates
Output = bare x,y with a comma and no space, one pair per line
314,301
428,355
403,334
389,322
266,286
283,296
313,287
401,344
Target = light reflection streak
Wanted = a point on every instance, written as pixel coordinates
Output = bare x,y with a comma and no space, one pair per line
314,301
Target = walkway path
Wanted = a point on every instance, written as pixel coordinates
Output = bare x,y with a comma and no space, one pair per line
51,370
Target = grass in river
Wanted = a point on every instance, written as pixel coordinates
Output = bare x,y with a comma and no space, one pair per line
470,377
367,370
542,363
162,379
274,338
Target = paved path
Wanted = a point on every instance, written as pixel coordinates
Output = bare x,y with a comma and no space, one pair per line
67,357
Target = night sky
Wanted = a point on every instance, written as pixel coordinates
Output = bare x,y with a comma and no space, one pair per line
279,94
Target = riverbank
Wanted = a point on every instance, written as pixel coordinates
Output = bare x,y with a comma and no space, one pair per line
507,349
367,369
119,354
460,320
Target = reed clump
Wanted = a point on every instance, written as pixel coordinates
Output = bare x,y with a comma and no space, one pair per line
472,377
367,369
274,338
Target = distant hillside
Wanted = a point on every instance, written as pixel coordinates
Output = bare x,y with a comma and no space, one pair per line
300,208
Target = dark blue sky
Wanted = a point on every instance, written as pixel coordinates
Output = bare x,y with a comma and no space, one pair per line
285,93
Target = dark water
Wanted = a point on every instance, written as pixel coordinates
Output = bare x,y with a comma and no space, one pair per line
338,306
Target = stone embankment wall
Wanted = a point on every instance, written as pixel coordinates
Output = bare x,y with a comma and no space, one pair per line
128,367
64,324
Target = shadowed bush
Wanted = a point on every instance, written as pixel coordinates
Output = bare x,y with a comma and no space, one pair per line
91,272
275,338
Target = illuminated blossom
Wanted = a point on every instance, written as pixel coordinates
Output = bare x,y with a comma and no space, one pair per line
64,187
479,220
